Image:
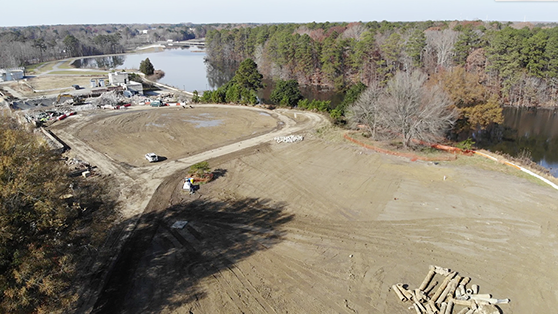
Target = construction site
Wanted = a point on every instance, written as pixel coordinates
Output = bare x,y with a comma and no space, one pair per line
297,219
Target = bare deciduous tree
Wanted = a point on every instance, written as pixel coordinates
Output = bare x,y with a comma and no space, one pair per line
406,108
354,31
367,110
442,43
435,115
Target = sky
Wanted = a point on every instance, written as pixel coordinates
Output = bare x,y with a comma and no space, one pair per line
51,12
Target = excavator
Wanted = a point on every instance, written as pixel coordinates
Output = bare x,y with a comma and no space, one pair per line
76,100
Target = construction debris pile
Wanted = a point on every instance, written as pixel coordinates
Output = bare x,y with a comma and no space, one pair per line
450,295
38,117
115,100
109,99
79,167
169,98
289,139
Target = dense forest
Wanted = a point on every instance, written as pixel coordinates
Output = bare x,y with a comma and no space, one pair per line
516,64
21,46
54,225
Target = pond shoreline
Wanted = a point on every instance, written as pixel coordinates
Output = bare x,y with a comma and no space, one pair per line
526,132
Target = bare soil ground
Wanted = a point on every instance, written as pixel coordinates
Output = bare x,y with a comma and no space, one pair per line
176,132
320,226
51,84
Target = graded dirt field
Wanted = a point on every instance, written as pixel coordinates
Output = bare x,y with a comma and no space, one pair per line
50,85
171,132
319,226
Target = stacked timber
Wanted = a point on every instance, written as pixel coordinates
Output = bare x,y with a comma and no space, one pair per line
451,295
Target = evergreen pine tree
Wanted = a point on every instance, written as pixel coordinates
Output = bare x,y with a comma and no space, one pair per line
146,67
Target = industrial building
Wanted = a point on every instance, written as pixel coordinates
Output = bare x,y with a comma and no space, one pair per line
11,74
121,79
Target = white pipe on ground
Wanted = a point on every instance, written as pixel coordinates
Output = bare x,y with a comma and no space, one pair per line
443,286
427,279
417,309
405,292
432,286
400,296
449,308
463,310
475,289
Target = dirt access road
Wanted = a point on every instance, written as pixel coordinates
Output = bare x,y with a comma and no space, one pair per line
116,141
320,226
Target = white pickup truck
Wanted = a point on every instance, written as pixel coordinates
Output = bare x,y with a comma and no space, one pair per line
151,157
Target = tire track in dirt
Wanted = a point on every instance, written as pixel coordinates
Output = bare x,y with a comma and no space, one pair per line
291,180
409,219
321,271
298,279
113,294
305,279
243,279
231,276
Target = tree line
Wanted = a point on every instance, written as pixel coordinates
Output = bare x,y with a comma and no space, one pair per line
243,88
53,225
406,107
517,63
21,46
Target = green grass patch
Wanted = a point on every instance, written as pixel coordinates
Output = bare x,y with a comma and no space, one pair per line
39,68
475,161
33,67
330,133
66,65
48,67
148,50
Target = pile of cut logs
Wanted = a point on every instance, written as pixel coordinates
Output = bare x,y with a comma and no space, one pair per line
451,294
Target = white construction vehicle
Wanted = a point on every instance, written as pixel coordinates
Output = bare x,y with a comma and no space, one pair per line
151,157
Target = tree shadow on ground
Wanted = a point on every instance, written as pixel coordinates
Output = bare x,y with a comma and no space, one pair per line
217,173
160,267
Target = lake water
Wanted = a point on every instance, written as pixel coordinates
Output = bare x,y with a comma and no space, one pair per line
526,131
534,132
184,68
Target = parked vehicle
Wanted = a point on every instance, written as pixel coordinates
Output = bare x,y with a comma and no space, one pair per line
156,103
151,157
